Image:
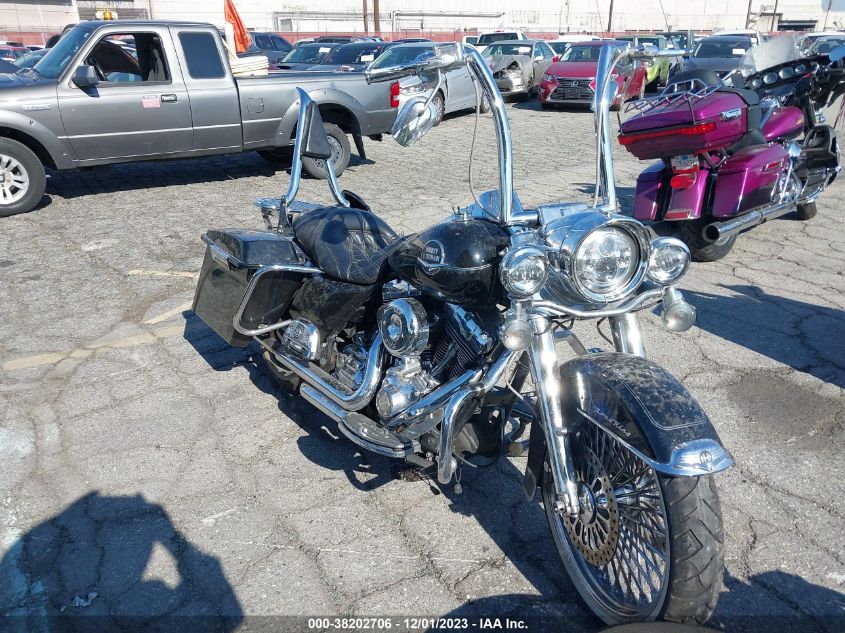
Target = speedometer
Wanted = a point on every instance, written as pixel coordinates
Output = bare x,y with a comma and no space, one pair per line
770,78
786,73
756,83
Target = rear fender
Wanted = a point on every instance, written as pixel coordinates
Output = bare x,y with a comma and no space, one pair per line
641,405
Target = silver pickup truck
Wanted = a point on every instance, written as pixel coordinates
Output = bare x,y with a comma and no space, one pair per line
122,91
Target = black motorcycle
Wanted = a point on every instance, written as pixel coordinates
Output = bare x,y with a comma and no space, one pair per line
439,349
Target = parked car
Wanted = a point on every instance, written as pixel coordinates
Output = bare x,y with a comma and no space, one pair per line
563,42
657,70
11,53
681,40
518,65
306,56
88,102
807,41
489,37
472,40
7,67
755,36
456,93
303,42
720,53
823,45
272,46
30,59
338,39
412,40
572,79
355,56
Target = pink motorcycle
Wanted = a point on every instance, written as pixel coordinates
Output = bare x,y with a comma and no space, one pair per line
736,153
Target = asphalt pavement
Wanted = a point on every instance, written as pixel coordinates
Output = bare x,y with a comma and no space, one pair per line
148,469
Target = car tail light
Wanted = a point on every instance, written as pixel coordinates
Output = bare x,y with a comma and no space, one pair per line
555,59
684,180
394,94
688,130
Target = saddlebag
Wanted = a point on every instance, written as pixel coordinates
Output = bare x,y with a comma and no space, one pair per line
232,257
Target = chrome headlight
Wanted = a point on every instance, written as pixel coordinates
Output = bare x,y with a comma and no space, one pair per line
601,258
669,260
523,271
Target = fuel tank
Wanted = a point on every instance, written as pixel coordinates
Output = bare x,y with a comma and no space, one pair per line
455,261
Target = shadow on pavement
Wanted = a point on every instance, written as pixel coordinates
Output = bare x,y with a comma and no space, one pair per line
155,174
113,563
745,319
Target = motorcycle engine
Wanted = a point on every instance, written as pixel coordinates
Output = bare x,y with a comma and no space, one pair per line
406,327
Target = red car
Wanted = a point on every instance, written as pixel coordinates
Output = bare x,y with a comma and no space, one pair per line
572,79
11,53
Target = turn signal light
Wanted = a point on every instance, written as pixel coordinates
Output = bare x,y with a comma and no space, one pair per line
684,180
689,130
394,94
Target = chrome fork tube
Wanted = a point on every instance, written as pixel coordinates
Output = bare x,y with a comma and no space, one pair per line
545,372
503,133
627,338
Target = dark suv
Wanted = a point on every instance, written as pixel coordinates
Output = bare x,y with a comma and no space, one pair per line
273,46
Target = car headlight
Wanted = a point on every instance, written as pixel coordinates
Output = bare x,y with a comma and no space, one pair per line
600,259
523,271
606,260
548,77
669,260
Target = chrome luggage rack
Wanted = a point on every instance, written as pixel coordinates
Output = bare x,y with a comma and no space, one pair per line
688,91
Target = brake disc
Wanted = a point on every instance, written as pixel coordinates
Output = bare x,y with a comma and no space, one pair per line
595,530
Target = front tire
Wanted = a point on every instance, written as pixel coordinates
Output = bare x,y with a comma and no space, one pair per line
807,211
439,103
22,178
649,546
341,154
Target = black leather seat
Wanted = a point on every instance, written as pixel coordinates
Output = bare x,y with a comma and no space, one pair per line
348,244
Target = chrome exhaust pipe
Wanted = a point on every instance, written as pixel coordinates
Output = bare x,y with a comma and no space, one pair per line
719,230
330,387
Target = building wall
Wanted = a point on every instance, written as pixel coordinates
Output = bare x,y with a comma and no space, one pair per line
326,16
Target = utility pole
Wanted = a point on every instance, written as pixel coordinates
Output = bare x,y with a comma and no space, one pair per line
827,14
366,18
748,14
775,16
377,17
610,19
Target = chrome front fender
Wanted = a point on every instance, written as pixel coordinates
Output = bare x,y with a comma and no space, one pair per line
643,407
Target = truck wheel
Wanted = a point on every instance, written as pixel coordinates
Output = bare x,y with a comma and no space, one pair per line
22,178
280,155
807,211
341,153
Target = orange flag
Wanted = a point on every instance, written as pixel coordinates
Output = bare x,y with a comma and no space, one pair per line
242,38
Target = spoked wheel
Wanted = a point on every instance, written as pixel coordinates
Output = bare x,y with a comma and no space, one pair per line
644,546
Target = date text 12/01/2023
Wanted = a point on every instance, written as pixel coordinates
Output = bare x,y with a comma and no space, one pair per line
417,623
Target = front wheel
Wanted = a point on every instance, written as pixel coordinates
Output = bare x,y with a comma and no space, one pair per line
807,211
341,154
645,546
22,178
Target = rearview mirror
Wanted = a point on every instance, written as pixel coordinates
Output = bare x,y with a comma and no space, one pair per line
442,56
415,120
85,76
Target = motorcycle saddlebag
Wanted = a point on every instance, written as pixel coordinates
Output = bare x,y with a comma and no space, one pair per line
232,257
748,178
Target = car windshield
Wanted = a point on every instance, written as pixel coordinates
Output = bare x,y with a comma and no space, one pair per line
507,49
489,38
824,45
308,54
30,59
580,53
398,55
56,61
354,54
721,48
560,47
